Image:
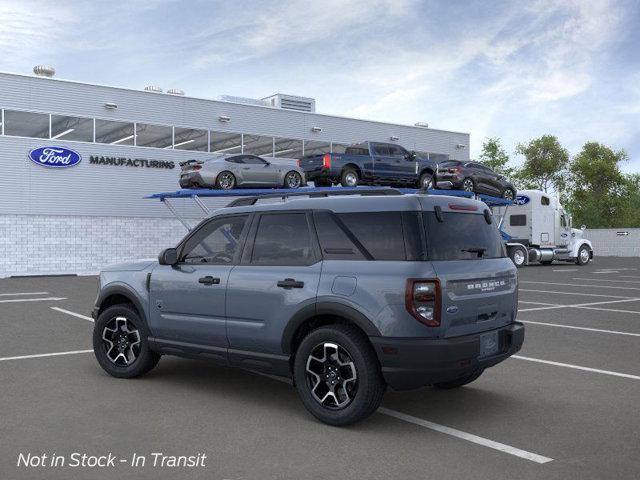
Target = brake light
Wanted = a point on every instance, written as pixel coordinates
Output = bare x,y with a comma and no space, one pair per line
196,167
326,160
465,208
423,300
299,162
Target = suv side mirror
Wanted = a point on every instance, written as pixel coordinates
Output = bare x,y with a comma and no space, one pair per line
169,256
410,156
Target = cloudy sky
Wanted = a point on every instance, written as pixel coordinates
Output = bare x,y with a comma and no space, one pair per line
515,69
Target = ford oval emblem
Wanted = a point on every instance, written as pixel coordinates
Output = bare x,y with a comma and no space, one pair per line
55,157
521,200
452,309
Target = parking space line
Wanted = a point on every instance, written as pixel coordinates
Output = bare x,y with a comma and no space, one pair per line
608,309
576,293
44,299
485,442
22,293
604,280
577,367
583,305
566,269
573,327
40,355
579,285
73,314
541,303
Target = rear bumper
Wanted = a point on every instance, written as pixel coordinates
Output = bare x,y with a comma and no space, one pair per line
320,173
191,180
412,363
448,183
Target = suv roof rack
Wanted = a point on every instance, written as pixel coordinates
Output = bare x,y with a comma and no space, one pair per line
329,192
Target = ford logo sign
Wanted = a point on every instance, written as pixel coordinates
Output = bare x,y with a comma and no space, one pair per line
56,157
521,200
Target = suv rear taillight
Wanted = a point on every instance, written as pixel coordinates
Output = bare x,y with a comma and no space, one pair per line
423,300
326,161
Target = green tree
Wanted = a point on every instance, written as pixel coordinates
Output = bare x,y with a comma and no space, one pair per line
599,193
545,164
495,157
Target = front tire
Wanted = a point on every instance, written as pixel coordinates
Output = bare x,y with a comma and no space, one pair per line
518,256
120,343
584,255
337,375
509,194
349,178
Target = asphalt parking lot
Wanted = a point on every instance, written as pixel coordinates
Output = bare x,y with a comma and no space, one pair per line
565,407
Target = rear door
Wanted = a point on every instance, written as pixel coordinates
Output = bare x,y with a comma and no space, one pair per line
478,282
187,301
382,160
278,276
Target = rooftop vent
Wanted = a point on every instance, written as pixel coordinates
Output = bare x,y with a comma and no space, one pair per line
44,71
153,88
244,100
175,91
422,124
292,102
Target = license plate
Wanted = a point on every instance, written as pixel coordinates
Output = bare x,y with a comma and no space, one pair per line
488,344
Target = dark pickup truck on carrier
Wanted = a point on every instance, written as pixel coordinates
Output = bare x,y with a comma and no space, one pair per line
369,163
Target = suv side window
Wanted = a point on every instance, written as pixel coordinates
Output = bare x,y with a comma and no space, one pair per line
283,239
380,233
217,242
334,241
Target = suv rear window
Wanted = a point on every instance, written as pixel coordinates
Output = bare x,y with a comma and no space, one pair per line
462,236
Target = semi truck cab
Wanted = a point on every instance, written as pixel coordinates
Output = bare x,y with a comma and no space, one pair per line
538,229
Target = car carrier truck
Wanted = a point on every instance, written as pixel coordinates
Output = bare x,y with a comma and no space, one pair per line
537,229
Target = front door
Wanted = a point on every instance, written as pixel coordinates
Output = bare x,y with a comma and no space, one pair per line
278,276
258,171
187,300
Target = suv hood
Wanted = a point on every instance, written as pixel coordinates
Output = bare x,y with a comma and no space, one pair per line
134,266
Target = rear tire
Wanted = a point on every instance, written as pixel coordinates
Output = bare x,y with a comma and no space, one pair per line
292,180
468,185
120,343
459,382
340,354
426,181
349,178
225,180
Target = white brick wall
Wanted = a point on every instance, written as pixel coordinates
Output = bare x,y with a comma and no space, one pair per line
39,244
609,242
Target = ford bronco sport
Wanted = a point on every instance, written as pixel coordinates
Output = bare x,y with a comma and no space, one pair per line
346,295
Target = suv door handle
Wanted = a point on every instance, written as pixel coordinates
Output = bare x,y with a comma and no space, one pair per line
209,280
289,283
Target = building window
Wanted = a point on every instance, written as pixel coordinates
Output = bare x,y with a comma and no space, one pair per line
26,124
287,148
312,147
258,145
225,142
114,133
72,128
157,136
338,147
190,139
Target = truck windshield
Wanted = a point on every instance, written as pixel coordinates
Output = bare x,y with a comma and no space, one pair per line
461,236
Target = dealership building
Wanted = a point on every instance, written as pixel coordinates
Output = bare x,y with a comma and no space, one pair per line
127,145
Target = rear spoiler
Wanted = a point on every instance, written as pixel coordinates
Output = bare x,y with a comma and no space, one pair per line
191,162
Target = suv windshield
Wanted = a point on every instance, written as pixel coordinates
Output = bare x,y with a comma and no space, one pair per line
461,236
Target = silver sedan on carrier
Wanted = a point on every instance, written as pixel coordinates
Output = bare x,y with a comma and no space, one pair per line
240,170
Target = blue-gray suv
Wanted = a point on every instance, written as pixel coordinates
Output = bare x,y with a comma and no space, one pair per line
346,295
